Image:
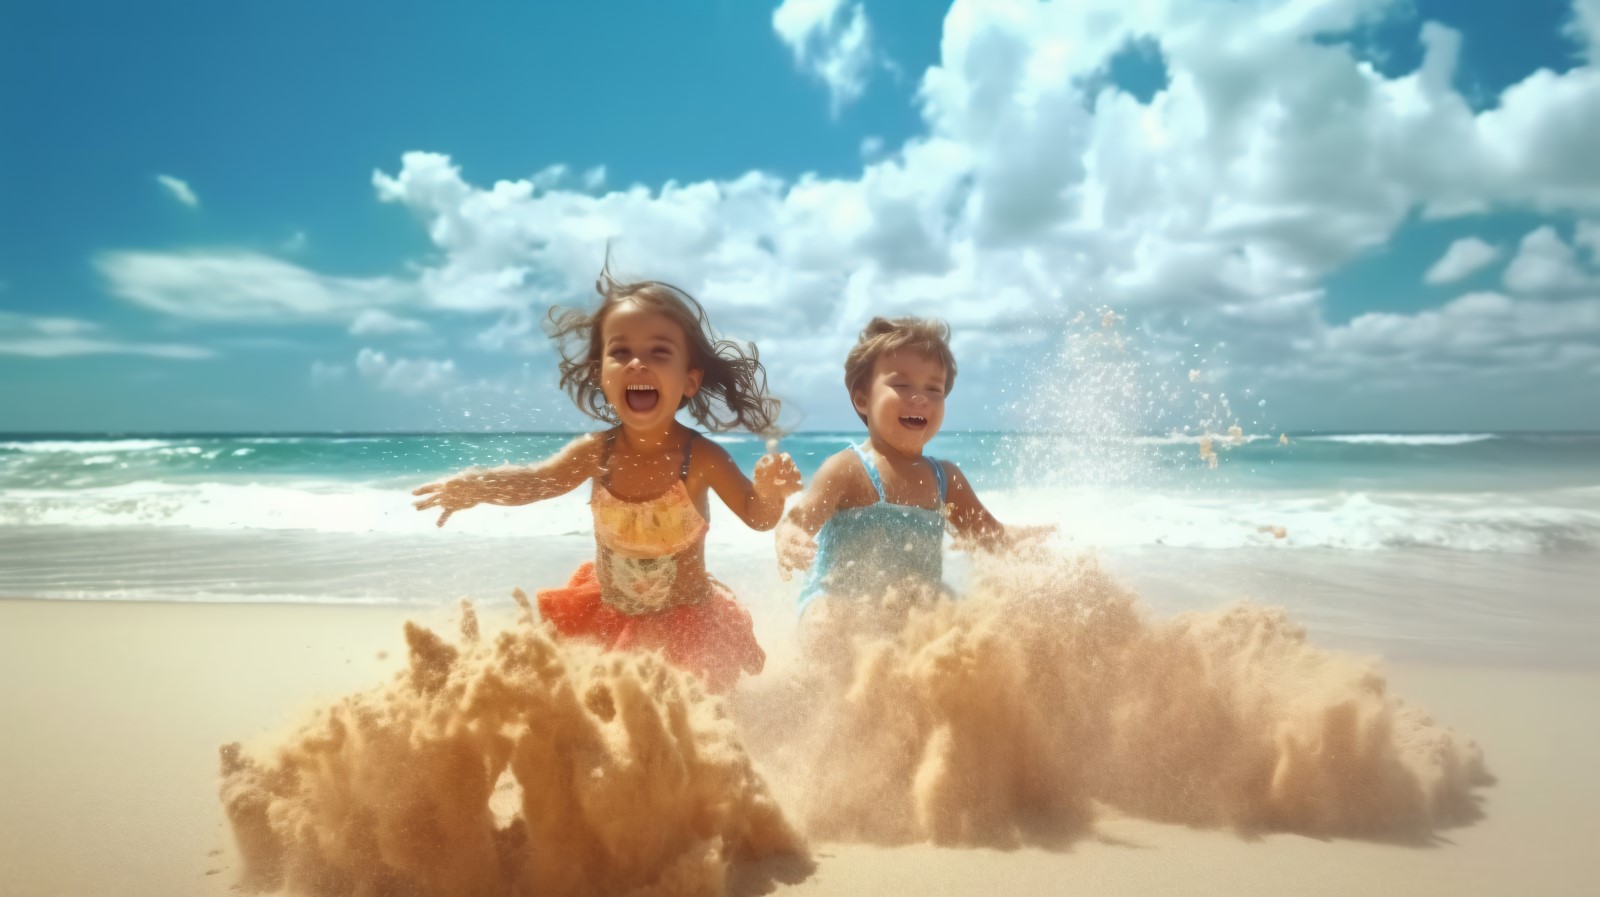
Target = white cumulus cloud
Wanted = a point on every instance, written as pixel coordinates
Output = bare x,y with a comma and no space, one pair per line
410,376
1479,334
242,285
830,39
58,337
1213,211
1546,264
1464,258
377,322
1584,27
179,190
327,372
1587,236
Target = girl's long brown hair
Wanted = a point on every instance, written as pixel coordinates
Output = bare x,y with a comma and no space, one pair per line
733,385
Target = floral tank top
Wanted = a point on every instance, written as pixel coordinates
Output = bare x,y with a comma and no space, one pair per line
644,538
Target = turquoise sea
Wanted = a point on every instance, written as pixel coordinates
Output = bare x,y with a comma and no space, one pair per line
1393,540
1514,492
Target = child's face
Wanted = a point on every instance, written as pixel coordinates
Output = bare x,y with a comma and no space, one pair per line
903,400
644,365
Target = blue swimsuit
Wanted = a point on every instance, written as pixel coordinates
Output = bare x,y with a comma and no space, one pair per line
865,551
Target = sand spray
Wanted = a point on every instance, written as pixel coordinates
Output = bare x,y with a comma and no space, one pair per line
1017,714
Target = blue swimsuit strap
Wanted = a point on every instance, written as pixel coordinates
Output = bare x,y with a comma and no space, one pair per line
877,483
872,471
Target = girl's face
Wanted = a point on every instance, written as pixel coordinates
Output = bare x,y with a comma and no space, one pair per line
903,400
644,366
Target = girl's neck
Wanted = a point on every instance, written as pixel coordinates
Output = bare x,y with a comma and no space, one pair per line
645,441
887,451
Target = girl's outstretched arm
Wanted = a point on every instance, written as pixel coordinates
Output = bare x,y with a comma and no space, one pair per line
971,521
760,503
556,475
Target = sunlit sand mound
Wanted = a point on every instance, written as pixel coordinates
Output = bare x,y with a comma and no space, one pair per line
631,779
1012,716
1008,716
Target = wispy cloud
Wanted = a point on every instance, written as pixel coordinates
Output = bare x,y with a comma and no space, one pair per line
1205,214
1022,190
54,337
831,40
1464,258
1546,264
243,285
409,376
327,372
179,189
377,322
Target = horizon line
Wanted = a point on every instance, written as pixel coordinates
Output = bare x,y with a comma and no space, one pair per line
225,434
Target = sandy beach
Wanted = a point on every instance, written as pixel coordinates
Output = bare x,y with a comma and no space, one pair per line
117,710
411,427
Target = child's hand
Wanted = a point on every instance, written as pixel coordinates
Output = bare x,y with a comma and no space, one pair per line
796,549
1020,539
776,477
1018,536
455,494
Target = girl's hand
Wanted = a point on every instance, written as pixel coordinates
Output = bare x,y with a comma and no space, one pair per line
1018,536
455,494
776,477
796,549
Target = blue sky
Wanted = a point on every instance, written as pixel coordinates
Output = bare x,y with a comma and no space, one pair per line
233,295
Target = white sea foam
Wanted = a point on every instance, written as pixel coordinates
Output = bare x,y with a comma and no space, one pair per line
1221,440
1528,522
87,446
1405,438
1358,521
321,506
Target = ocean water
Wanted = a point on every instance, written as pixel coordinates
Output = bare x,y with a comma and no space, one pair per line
1501,528
1474,492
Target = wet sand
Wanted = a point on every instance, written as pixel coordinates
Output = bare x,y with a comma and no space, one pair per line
115,712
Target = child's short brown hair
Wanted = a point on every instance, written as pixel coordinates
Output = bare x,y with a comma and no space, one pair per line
929,337
732,375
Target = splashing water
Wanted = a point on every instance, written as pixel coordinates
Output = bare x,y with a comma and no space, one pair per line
1096,393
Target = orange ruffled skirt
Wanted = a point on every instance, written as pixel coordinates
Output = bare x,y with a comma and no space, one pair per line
713,639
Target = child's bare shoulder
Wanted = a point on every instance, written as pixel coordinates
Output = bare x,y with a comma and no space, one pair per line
586,449
590,442
843,476
840,463
952,474
706,454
